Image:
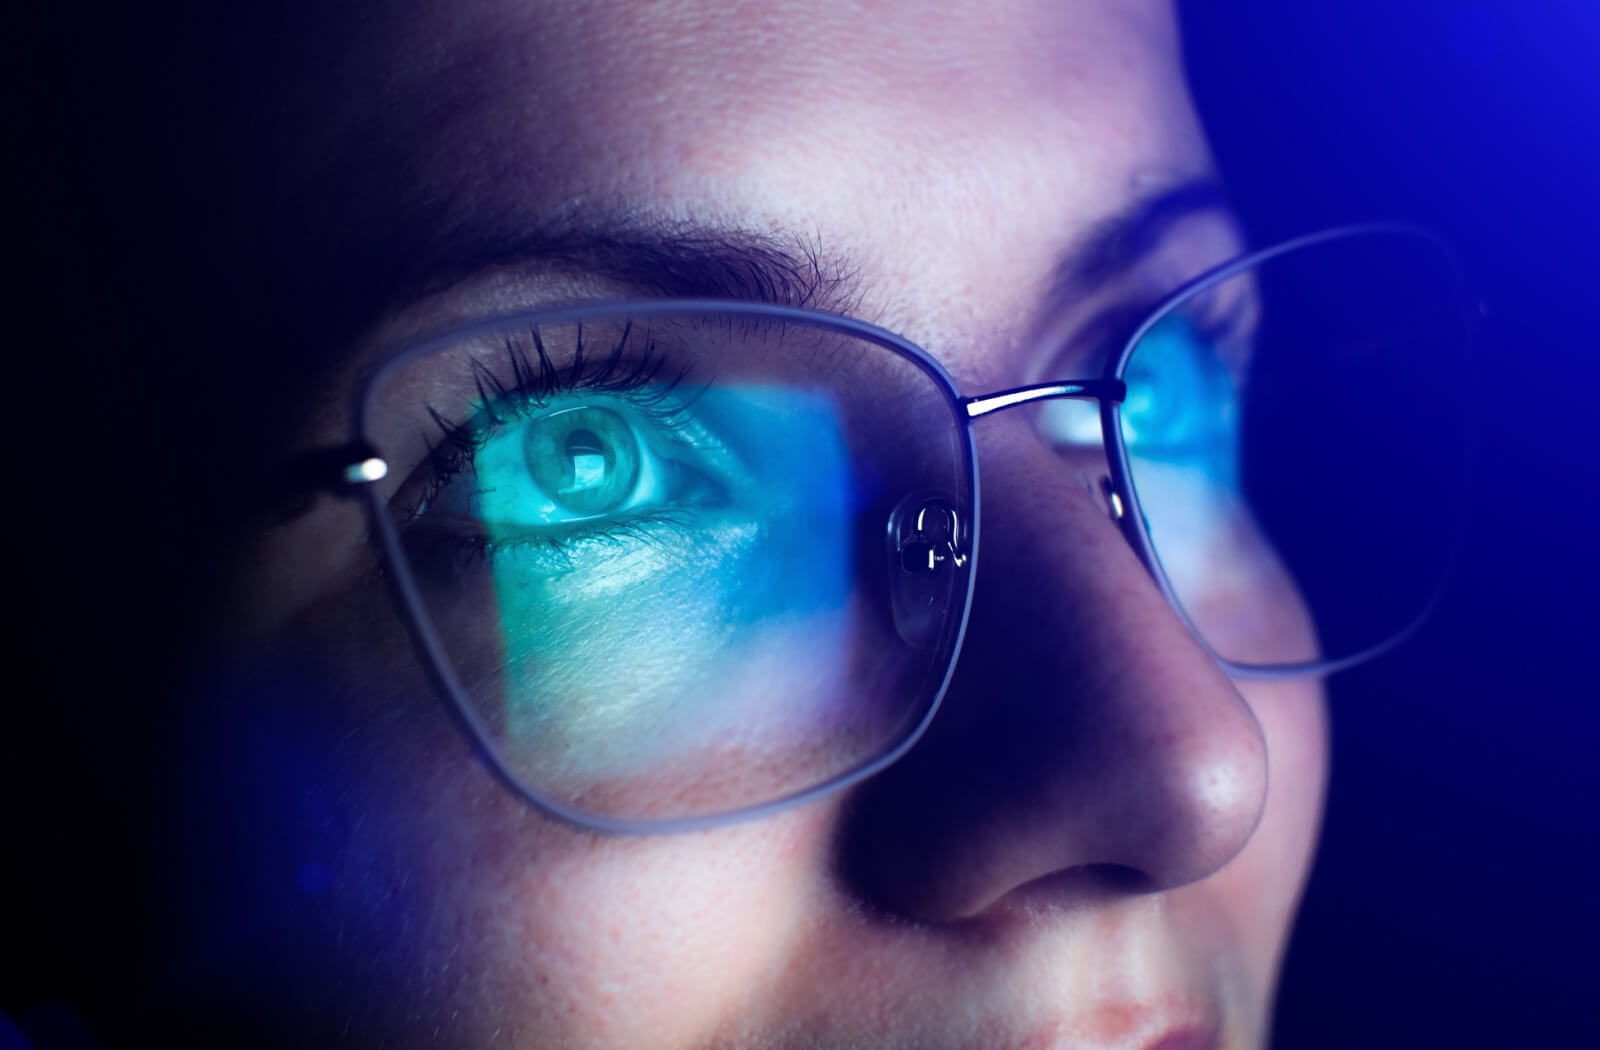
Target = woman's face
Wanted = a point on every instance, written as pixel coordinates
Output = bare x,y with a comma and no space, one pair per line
1082,851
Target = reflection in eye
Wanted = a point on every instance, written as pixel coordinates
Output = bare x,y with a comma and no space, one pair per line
585,458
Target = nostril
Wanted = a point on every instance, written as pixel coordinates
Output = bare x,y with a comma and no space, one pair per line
1069,888
1123,878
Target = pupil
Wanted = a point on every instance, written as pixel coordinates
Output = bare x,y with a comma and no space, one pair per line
584,442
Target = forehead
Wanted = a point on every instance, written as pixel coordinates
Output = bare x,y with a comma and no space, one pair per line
949,152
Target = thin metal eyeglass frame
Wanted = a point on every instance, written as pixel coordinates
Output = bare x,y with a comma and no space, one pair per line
365,465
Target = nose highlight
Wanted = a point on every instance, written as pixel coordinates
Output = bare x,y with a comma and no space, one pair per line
1085,731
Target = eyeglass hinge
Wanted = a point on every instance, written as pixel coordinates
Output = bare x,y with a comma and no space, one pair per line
364,471
289,490
339,469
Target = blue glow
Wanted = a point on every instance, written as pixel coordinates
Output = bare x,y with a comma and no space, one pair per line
1182,407
724,562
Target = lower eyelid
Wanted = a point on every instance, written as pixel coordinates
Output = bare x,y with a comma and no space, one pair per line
601,544
545,553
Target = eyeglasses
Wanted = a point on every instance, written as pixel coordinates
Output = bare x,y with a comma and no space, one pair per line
679,563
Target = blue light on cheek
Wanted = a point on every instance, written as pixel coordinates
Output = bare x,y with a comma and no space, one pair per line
745,536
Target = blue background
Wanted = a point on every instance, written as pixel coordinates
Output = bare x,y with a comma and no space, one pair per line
1453,901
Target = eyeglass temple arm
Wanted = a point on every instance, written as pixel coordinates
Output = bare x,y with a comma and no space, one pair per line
338,469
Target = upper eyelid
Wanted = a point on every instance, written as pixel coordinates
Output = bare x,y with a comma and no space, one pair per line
518,371
655,405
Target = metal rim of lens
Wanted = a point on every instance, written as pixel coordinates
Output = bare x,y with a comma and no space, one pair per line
440,668
1122,473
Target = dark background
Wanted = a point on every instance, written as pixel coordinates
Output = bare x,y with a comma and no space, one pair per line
1453,903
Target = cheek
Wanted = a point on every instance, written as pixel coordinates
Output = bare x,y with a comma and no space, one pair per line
536,931
346,857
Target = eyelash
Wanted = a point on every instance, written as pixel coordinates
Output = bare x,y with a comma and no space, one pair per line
631,378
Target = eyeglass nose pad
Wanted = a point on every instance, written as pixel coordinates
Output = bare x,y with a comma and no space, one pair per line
1122,516
1114,505
927,555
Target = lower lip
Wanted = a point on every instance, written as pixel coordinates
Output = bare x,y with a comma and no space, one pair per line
1191,1039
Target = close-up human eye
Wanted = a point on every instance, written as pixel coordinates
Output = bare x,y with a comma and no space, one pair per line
573,466
570,465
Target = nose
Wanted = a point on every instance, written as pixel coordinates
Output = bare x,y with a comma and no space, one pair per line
1087,743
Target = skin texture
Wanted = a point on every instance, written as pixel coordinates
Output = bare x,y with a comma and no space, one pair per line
1100,841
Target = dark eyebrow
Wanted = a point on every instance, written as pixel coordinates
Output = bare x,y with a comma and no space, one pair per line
672,260
1117,244
687,260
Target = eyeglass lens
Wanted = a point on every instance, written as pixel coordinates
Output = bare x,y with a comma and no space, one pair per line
683,565
1296,439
